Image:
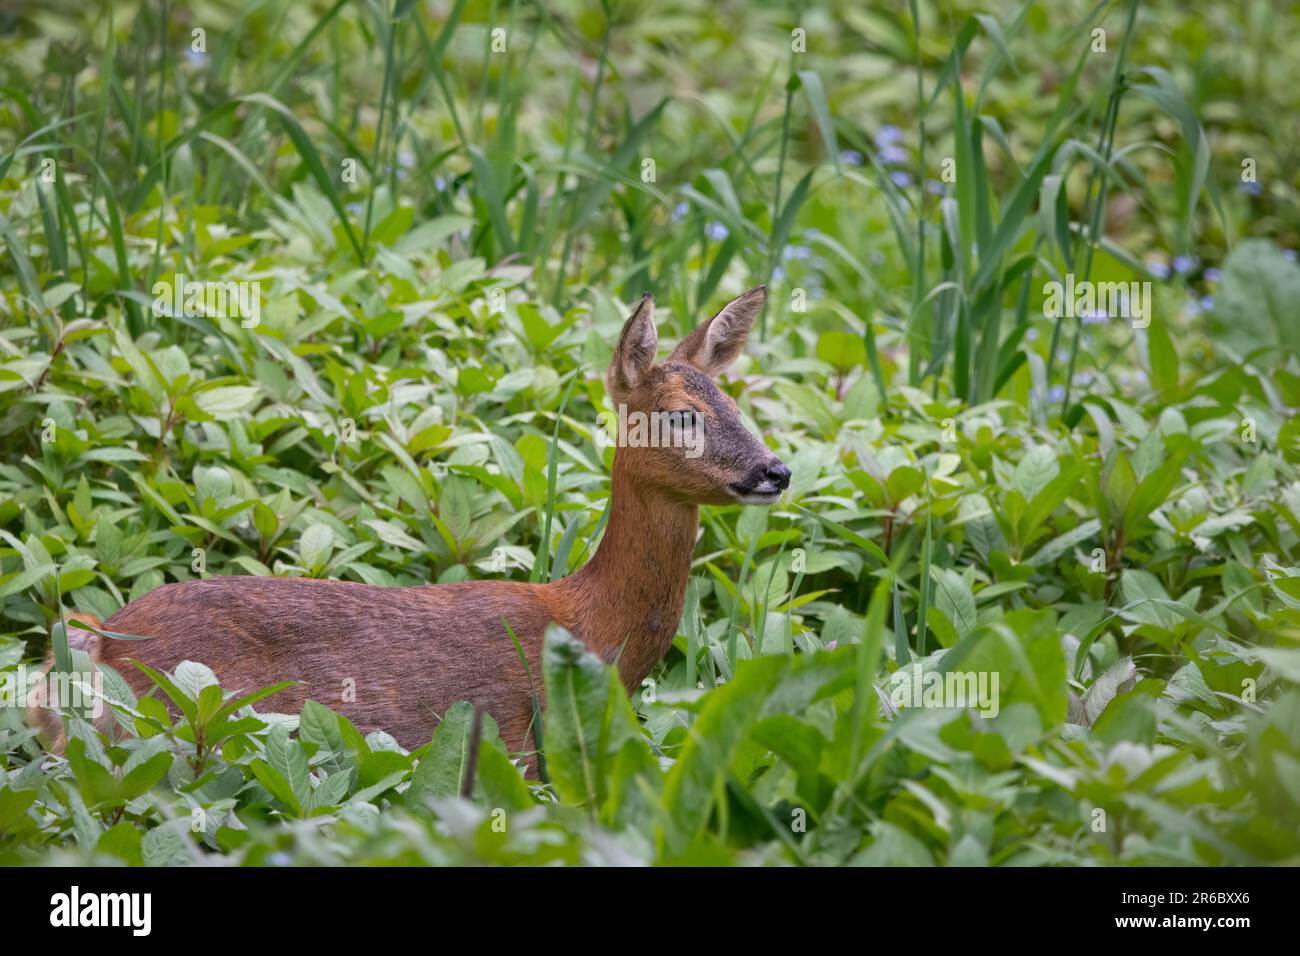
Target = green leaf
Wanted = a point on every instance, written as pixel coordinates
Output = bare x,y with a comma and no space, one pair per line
161,846
97,783
123,841
381,765
248,700
1144,595
13,808
953,596
184,703
1120,484
226,402
1036,468
1024,650
1163,356
442,771
315,546
811,84
1064,543
1119,677
1153,491
795,741
286,757
723,721
311,159
20,581
903,482
1254,304
500,781
588,718
275,782
842,351
848,534
146,776
319,725
893,846
1130,716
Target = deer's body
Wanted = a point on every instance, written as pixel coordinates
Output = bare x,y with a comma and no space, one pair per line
390,659
395,659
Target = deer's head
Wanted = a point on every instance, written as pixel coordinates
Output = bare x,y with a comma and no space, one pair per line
679,433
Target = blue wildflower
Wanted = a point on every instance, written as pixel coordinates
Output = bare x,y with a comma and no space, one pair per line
887,135
892,155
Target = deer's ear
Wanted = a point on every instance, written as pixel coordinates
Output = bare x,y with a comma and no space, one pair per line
716,343
636,348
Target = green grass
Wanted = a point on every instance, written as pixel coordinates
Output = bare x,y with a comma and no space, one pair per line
446,235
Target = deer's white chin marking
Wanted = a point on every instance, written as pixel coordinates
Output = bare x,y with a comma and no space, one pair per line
757,497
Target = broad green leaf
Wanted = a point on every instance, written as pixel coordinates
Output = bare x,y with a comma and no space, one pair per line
953,596
442,771
587,718
692,783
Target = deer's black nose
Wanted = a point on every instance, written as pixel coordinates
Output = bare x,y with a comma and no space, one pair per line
779,475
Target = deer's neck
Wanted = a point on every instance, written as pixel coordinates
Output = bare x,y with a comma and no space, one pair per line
625,603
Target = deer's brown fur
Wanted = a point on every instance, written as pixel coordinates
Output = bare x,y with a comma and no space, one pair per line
396,658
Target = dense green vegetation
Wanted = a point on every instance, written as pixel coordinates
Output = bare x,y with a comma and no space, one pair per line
448,206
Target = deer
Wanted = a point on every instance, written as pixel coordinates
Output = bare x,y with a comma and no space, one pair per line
412,652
